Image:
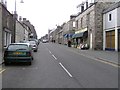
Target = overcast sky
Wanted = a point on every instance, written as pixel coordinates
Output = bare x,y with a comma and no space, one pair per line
44,14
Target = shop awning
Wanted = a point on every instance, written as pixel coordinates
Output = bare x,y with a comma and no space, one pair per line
70,35
67,35
80,34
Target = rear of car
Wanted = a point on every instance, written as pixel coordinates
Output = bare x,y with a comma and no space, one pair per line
44,41
18,52
33,45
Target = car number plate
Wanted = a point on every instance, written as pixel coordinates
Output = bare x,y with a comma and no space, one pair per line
19,53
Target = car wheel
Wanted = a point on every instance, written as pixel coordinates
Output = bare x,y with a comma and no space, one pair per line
32,58
35,50
6,63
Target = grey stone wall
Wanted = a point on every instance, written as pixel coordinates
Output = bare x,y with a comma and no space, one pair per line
92,19
1,39
99,7
20,32
1,28
91,27
88,21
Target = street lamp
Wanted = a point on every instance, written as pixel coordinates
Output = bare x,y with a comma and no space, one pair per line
15,12
15,18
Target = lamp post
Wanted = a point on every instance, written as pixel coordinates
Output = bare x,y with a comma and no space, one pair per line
15,18
15,12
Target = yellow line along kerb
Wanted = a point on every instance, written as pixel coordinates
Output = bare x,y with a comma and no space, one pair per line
1,71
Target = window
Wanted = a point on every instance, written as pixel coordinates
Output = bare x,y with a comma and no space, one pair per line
88,19
18,47
73,24
77,24
110,17
8,22
5,38
82,22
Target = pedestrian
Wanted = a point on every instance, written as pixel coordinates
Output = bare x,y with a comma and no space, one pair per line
69,43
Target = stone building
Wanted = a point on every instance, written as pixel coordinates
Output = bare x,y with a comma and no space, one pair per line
21,33
7,27
50,35
57,30
31,30
69,29
65,29
60,37
89,24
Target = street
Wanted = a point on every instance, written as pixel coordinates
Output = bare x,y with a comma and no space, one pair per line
59,66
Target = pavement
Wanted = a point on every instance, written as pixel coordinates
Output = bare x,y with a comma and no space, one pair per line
108,56
1,58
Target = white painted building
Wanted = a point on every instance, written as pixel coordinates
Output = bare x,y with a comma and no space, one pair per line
111,28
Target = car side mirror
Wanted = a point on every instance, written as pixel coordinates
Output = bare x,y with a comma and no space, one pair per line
5,47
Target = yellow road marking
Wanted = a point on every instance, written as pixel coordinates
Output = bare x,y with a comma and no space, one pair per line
1,71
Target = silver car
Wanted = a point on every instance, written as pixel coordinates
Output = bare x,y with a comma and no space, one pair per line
33,45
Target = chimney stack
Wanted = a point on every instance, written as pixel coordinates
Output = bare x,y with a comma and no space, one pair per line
24,19
86,4
5,3
2,1
82,7
20,18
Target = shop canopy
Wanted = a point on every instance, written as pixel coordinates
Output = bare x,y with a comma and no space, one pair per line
78,35
67,35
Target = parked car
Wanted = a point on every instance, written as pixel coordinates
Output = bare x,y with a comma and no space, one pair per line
36,40
84,47
33,45
18,52
44,41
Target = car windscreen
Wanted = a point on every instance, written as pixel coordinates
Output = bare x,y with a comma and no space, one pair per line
18,47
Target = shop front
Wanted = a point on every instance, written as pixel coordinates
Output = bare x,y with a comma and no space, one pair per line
67,37
80,38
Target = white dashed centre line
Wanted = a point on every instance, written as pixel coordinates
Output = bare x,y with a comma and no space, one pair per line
54,57
50,52
65,70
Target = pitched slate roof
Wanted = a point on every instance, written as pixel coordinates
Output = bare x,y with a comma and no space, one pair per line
112,7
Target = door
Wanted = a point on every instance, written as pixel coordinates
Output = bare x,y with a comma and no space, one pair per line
110,40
